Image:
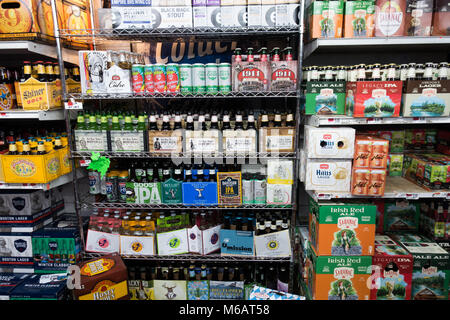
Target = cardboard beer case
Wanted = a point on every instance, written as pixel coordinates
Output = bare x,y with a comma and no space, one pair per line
390,18
329,142
172,17
441,18
287,14
236,243
430,279
276,244
325,19
9,281
199,193
268,15
42,287
392,270
254,15
338,278
25,211
401,216
342,229
92,140
261,293
427,98
226,290
173,242
373,98
325,97
165,141
283,75
274,139
171,191
132,14
198,290
213,14
16,252
229,188
419,14
199,13
137,245
93,71
278,194
328,175
104,278
250,76
143,193
128,141
359,19
36,95
102,242
170,289
204,241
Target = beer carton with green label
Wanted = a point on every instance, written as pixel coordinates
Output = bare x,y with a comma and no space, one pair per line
325,97
342,229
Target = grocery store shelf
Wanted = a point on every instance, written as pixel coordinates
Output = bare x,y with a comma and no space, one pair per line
182,156
203,32
62,180
12,48
389,43
396,187
49,115
336,120
192,257
118,205
110,96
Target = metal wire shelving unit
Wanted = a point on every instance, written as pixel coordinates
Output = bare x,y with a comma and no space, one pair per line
177,34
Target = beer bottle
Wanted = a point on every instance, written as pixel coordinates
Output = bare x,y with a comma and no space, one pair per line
428,73
376,72
271,278
25,148
238,54
273,225
13,149
264,120
419,71
361,73
41,74
56,71
442,71
66,73
49,71
188,174
34,69
177,124
250,56
76,74
200,177
277,120
391,72
226,121
288,54
283,279
166,173
26,71
238,125
152,123
41,148
178,174
275,54
58,144
290,120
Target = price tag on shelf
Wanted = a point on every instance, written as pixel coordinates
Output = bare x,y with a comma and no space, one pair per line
436,195
411,196
85,163
323,196
419,119
334,120
374,120
73,105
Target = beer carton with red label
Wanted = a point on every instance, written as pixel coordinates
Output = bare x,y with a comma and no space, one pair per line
390,18
283,75
250,75
373,98
392,269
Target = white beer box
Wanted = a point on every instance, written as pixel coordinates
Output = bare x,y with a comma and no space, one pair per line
333,142
178,3
268,1
102,242
131,14
200,16
276,244
118,80
204,241
170,289
268,15
287,15
279,194
254,15
252,2
172,242
172,17
93,66
328,175
213,14
138,246
91,140
235,142
280,171
233,16
127,141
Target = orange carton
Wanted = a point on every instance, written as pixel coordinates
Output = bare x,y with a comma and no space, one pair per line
377,182
370,152
379,154
325,19
360,181
342,229
338,278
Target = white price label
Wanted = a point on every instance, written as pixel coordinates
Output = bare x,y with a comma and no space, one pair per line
334,120
412,196
448,196
419,119
73,105
85,163
436,195
374,120
323,196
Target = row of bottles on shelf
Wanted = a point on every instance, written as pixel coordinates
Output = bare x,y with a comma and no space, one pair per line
172,120
47,71
378,72
142,223
269,275
41,141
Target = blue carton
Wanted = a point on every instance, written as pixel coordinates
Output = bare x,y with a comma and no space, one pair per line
236,243
198,290
226,290
41,287
199,193
8,281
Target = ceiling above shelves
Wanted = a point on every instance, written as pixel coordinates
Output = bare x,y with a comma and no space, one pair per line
19,48
347,45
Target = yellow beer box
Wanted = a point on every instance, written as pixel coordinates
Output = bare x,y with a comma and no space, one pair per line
64,160
73,86
31,169
77,18
38,95
28,19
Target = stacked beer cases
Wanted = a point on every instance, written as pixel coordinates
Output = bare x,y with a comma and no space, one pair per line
327,154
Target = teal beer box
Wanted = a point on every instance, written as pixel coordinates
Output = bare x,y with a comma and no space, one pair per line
325,97
172,191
